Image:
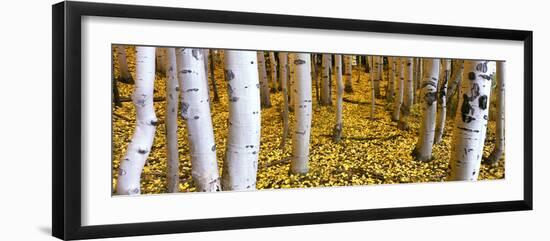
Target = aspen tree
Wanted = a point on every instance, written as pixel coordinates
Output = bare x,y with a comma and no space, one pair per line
325,81
470,123
138,150
303,113
399,77
171,121
430,79
264,83
347,72
444,75
338,126
499,144
408,94
243,141
125,76
283,74
195,110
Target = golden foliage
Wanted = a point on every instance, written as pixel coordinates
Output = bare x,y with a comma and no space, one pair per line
371,151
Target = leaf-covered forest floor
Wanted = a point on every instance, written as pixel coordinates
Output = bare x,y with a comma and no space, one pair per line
371,152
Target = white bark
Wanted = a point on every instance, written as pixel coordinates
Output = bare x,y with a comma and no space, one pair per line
138,150
429,83
171,121
325,82
243,141
471,122
444,76
338,126
499,144
125,76
303,113
391,80
408,96
347,73
291,81
264,83
375,74
196,112
283,73
399,77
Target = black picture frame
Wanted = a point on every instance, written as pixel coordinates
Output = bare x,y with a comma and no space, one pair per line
66,58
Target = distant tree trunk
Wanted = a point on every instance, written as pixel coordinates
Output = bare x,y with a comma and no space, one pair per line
373,91
375,73
347,72
303,113
160,55
125,76
273,70
359,66
391,80
171,121
138,150
444,76
424,145
408,94
325,81
338,126
315,76
499,144
195,110
243,147
212,76
283,73
264,83
469,134
116,94
457,70
291,81
399,77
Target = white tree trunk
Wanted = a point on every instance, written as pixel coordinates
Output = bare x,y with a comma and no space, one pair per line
303,113
444,76
399,77
273,69
499,144
125,76
391,80
264,83
408,96
338,126
429,84
283,73
470,124
325,81
138,150
195,110
171,121
243,141
347,72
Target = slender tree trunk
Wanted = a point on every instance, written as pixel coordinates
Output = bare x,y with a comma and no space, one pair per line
325,86
264,83
399,76
160,55
243,147
125,76
338,126
457,70
408,94
469,134
391,80
212,76
347,72
303,113
444,76
315,76
195,110
373,86
273,72
423,150
171,121
359,64
283,73
499,144
376,76
138,150
116,94
291,81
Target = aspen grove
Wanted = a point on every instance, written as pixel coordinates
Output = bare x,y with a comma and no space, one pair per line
208,120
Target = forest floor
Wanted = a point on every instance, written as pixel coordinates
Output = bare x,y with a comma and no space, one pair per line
371,151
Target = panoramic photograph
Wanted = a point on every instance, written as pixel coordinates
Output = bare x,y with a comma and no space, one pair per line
190,119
